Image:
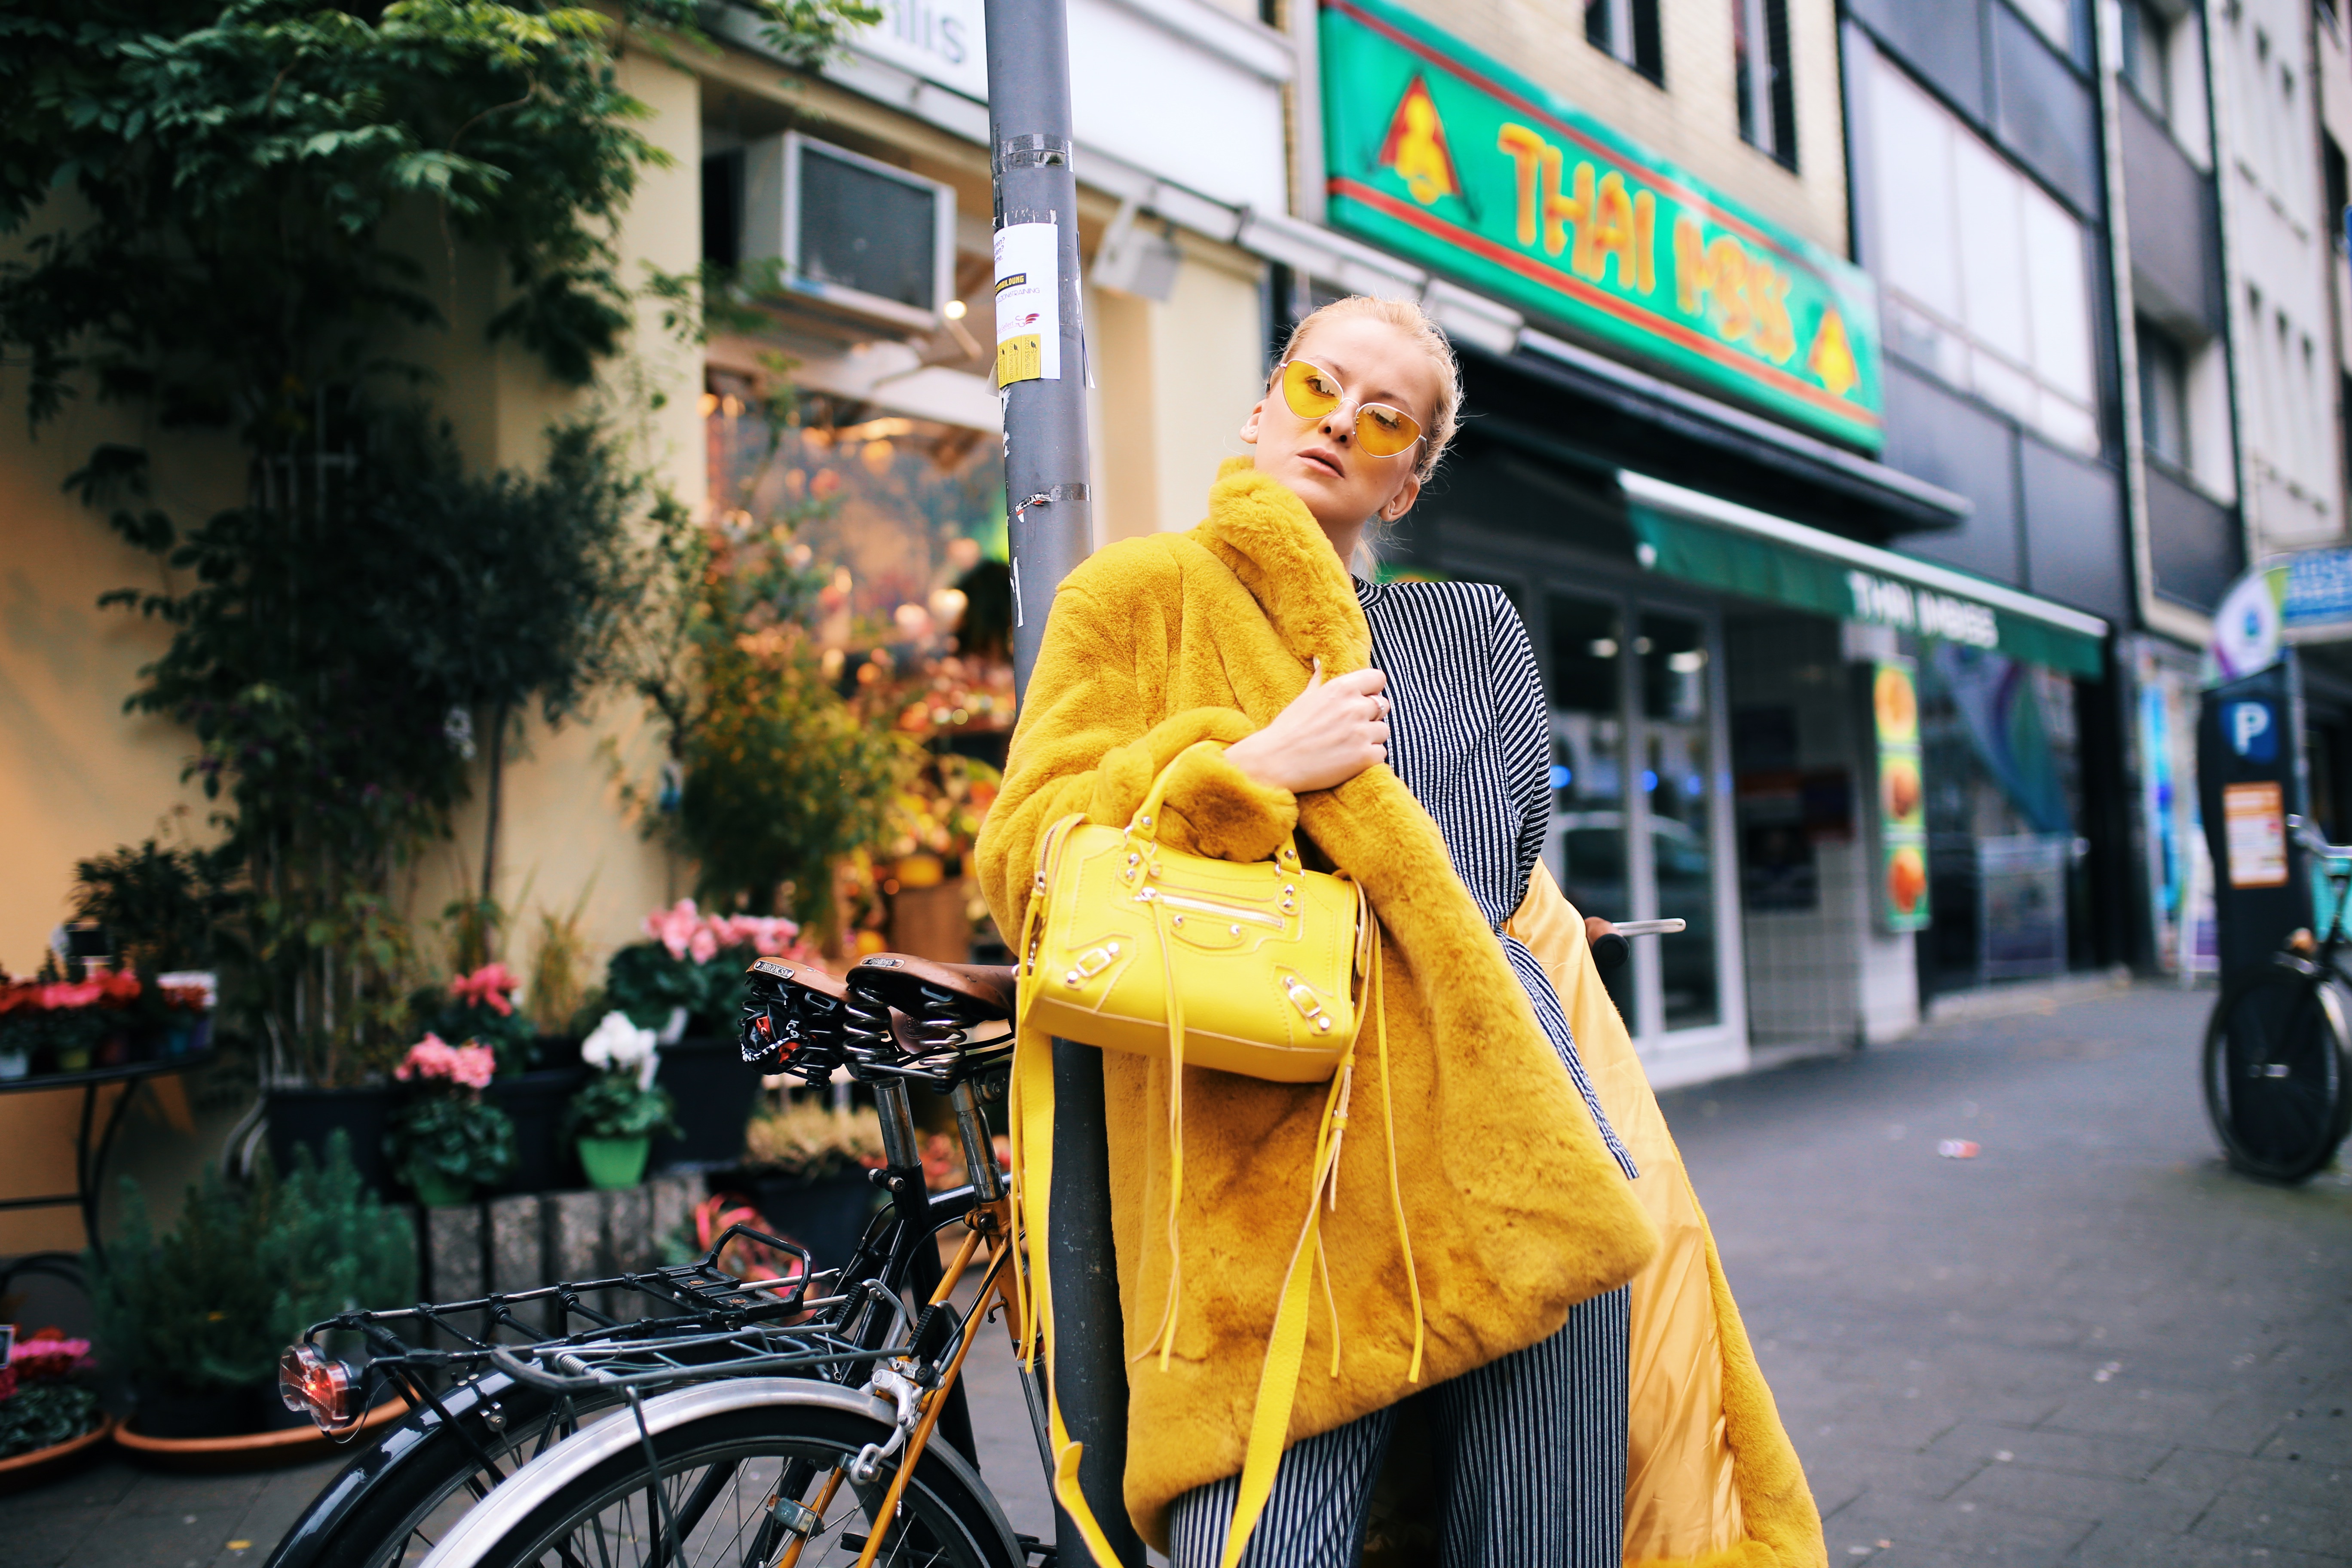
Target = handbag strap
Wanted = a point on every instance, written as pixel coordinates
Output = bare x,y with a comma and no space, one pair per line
1146,820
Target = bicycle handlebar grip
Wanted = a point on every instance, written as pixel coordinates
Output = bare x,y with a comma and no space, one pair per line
1610,950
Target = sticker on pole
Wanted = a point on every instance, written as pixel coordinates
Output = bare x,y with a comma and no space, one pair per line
1028,304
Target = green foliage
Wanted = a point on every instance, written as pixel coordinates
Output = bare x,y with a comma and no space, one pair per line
611,1105
455,1136
644,981
165,908
781,775
43,1415
212,1304
240,164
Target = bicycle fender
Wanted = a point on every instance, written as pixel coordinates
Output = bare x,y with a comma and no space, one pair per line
487,1524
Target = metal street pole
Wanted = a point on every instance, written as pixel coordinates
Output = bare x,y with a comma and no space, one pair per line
1042,370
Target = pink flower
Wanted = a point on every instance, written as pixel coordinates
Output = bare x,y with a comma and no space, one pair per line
433,1058
488,986
62,995
676,926
702,945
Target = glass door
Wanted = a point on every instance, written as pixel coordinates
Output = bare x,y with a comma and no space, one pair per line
1640,805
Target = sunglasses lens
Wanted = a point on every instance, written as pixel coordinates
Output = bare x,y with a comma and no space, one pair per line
1310,393
1384,431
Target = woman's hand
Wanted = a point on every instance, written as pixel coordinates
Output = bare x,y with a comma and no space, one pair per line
1334,731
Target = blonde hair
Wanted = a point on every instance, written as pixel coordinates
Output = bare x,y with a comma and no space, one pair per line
1427,335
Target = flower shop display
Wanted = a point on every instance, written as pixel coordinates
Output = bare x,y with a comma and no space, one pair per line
195,1319
615,1117
101,1018
445,1142
480,1008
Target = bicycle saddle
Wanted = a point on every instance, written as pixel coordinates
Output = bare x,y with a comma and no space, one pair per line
794,1017
920,987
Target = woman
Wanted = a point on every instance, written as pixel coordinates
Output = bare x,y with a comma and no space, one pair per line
1402,729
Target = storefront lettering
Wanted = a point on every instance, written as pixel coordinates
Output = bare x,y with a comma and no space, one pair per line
1890,604
1744,296
1608,222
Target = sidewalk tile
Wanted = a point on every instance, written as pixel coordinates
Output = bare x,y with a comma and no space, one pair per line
2122,1546
2235,1424
1999,1534
2240,1520
2028,1488
2305,1484
2127,1457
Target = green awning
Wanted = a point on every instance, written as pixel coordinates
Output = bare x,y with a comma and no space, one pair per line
1698,538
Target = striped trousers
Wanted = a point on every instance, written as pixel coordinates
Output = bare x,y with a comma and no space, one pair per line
1530,1451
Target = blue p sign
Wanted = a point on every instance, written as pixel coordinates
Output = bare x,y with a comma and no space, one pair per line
2251,734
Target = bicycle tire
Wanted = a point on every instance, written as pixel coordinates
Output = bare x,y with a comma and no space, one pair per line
721,1448
385,1507
2278,1071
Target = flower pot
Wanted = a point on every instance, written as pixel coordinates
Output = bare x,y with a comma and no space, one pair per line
246,1450
21,1471
613,1164
300,1118
166,1412
436,1190
534,1102
713,1090
74,1058
826,1215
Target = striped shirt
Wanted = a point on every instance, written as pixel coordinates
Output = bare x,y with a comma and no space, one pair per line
1468,735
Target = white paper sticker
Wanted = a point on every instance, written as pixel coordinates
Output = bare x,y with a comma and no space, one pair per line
2254,822
1028,304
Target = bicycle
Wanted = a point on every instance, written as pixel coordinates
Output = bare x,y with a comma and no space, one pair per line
802,1379
2277,1049
778,1423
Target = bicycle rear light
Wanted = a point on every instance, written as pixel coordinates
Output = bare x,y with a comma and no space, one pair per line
324,1389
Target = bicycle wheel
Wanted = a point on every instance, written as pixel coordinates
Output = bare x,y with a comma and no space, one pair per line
730,1456
2277,1057
390,1504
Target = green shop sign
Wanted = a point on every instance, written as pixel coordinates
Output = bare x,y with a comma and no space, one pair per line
1436,152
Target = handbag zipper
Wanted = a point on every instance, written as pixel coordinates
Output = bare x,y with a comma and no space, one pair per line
1204,906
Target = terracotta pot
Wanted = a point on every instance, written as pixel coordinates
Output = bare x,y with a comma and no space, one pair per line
252,1450
31,1469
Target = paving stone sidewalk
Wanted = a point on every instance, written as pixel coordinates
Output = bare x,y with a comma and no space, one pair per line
2089,1345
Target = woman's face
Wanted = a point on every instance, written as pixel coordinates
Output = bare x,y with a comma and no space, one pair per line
1321,459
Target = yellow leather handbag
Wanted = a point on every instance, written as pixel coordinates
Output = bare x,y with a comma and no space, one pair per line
1255,968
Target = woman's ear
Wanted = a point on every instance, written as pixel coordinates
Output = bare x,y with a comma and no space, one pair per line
1402,502
1249,426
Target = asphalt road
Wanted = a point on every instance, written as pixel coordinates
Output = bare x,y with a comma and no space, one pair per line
2090,1344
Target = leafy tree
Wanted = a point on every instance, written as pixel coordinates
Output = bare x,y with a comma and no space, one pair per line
227,212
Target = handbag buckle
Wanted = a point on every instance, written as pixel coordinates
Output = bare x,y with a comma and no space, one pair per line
1089,964
1303,997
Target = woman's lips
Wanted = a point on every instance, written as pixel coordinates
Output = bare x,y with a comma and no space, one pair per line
1327,462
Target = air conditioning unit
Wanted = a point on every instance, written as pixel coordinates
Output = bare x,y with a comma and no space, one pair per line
850,231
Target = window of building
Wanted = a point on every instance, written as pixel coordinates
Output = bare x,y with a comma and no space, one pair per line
1761,76
2055,20
2337,186
2163,396
2146,40
1627,30
1988,278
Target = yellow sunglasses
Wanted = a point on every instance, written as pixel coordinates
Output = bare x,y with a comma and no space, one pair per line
1313,393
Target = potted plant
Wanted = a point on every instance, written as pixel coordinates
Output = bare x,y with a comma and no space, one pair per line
615,1117
687,984
445,1142
44,1416
195,1319
805,1168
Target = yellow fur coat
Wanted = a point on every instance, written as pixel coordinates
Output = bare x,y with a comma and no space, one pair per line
1516,1210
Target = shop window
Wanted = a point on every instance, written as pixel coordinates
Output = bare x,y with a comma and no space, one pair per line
2163,396
1627,31
1762,78
1988,278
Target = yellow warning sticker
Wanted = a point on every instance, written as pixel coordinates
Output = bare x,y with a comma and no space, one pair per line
1019,358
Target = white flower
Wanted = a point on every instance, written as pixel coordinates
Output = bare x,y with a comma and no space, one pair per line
619,1046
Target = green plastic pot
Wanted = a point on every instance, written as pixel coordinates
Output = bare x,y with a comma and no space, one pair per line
436,1190
613,1164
